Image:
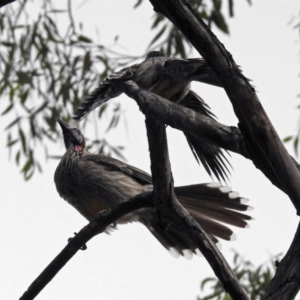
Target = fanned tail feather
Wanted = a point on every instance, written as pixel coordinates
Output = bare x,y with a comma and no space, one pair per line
212,206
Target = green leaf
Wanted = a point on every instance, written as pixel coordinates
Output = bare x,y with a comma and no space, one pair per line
296,142
8,44
159,18
39,109
158,35
219,21
27,166
17,120
11,143
57,11
27,175
87,63
287,139
84,39
138,3
24,77
17,158
8,108
230,8
23,140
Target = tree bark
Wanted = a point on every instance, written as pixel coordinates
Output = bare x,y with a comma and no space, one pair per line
170,210
286,282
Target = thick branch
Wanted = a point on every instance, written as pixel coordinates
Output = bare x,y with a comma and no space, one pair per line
286,283
169,208
254,122
187,120
5,2
93,228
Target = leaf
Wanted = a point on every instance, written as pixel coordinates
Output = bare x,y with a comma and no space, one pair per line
87,63
17,120
23,96
205,281
287,139
217,5
28,176
159,18
27,166
138,3
296,142
84,39
57,11
8,44
23,140
8,108
17,158
230,8
102,110
11,143
158,35
219,21
24,77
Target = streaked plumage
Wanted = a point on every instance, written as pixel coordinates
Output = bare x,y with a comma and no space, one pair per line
171,79
92,183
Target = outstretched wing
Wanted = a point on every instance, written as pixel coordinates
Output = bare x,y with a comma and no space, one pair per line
211,156
191,69
107,89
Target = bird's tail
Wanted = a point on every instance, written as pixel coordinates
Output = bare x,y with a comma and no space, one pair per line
212,157
212,206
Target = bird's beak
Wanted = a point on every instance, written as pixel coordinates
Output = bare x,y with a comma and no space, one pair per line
64,126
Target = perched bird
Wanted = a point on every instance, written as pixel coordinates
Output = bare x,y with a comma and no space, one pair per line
92,183
169,78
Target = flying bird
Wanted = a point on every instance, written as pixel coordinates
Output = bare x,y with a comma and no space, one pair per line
92,183
169,78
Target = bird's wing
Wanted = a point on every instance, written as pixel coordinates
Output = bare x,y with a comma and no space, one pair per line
107,89
117,165
191,69
211,156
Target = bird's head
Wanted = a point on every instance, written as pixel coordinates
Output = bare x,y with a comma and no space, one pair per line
73,137
152,54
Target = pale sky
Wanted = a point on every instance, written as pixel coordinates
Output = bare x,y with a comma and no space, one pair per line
130,263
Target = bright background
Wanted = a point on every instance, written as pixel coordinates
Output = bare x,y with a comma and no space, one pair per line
130,264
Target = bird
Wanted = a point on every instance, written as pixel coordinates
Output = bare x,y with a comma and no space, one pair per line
92,183
169,78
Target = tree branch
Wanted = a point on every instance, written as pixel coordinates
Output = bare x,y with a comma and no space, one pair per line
270,154
169,209
89,231
187,120
286,283
5,2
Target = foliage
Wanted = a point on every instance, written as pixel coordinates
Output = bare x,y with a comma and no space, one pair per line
48,69
46,73
254,279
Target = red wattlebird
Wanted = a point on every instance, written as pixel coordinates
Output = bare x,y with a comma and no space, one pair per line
169,78
92,183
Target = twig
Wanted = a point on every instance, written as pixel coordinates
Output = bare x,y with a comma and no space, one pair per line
76,243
